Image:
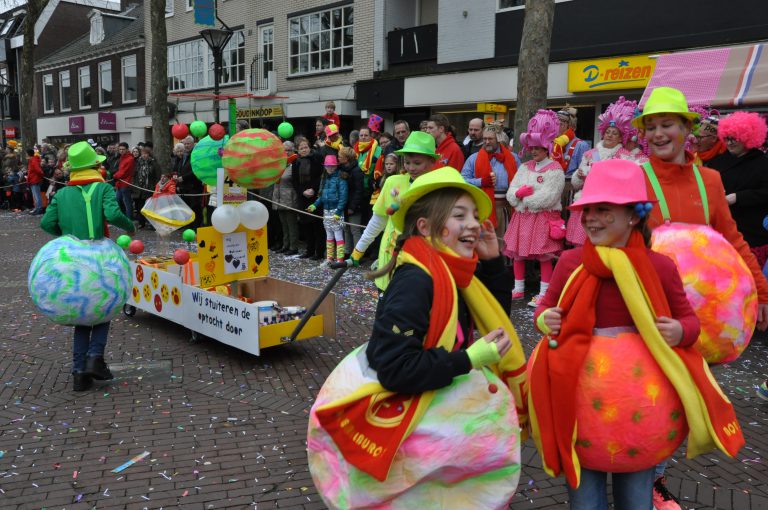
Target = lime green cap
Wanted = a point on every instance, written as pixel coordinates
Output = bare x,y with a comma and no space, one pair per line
81,156
419,142
665,100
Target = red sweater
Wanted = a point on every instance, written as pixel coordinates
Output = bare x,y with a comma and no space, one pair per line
34,171
124,175
333,119
450,154
611,310
678,183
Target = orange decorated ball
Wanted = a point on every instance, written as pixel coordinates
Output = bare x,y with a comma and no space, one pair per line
254,158
628,413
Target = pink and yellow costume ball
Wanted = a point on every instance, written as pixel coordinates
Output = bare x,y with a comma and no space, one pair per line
718,285
464,453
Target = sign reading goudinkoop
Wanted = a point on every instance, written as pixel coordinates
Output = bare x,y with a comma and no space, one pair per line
260,112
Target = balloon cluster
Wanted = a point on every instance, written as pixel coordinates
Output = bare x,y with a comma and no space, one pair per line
251,214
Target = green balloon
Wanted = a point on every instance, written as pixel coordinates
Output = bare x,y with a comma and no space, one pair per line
285,130
188,235
123,241
198,129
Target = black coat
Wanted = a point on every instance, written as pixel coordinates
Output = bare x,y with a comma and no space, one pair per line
306,174
354,177
747,176
182,166
401,362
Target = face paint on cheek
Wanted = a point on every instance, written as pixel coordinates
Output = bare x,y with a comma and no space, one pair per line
609,219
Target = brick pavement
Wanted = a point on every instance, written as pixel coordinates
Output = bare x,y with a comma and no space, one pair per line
227,430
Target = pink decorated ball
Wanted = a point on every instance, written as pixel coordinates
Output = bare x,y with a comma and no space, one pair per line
254,158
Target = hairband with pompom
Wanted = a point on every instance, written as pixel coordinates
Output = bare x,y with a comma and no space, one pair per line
643,208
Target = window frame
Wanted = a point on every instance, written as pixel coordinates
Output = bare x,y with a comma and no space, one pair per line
520,7
262,49
101,65
68,96
192,62
189,5
307,27
48,95
80,88
123,87
169,8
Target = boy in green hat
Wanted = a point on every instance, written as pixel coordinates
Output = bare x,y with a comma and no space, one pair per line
419,158
82,209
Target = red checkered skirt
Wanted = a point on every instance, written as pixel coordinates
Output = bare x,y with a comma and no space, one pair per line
528,235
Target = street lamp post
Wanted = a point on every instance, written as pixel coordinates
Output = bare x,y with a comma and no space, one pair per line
217,39
5,91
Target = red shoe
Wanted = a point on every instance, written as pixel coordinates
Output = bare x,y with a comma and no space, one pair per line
662,498
518,295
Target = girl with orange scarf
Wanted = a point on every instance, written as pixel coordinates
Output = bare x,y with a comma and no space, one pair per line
616,385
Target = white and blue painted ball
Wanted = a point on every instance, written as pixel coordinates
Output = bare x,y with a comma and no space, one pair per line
78,282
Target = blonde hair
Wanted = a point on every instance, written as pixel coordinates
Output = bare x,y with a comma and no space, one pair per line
348,152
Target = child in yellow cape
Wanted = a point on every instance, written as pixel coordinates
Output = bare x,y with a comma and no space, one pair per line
424,415
617,384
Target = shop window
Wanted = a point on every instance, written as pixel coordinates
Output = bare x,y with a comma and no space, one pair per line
130,79
321,41
48,93
105,83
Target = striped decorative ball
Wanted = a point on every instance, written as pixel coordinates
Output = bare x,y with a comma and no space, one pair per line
206,159
254,158
80,283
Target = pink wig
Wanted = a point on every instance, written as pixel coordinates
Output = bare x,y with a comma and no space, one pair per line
746,127
619,115
542,130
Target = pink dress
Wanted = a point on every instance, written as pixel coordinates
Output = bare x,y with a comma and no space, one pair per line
527,234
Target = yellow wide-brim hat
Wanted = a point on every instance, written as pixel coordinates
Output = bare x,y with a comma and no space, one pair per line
665,100
440,178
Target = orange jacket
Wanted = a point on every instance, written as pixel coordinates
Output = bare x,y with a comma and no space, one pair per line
682,193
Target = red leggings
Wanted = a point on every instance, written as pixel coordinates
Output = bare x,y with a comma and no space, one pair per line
546,269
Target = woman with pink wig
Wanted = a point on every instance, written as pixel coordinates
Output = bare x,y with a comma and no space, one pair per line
744,170
536,230
616,130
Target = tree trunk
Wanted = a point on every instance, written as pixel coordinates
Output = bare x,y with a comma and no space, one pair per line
533,62
27,98
158,91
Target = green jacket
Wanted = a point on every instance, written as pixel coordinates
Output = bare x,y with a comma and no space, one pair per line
66,214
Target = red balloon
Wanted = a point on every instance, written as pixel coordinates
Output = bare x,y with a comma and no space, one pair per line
216,131
136,247
181,256
180,131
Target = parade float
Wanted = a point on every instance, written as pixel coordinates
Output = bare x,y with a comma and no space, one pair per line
220,286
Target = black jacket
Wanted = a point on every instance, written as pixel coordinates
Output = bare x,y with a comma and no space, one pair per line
306,174
401,363
747,176
182,166
354,177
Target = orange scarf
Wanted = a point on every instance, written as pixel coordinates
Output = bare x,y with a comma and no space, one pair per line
364,426
717,149
554,373
483,169
369,149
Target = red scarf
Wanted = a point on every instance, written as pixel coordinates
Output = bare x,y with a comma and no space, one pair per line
554,373
363,416
717,149
483,169
369,149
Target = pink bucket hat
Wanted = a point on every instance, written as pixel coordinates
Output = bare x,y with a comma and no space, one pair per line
331,130
330,160
542,130
613,181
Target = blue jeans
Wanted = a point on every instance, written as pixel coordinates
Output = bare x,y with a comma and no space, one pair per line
631,491
89,341
658,471
125,201
37,197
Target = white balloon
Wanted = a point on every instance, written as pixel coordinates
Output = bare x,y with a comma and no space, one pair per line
225,218
253,214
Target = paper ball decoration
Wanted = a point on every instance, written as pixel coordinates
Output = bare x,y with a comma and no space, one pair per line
629,417
77,282
206,159
464,452
718,285
124,241
285,130
217,131
136,247
254,158
181,256
180,131
198,129
253,214
225,219
189,235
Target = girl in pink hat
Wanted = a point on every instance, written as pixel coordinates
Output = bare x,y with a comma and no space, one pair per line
615,130
536,230
333,199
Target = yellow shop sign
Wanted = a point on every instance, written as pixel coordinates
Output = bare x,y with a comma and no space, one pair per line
492,108
260,112
610,73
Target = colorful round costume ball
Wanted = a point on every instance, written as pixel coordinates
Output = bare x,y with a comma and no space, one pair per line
628,413
206,159
464,453
718,285
77,282
254,158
